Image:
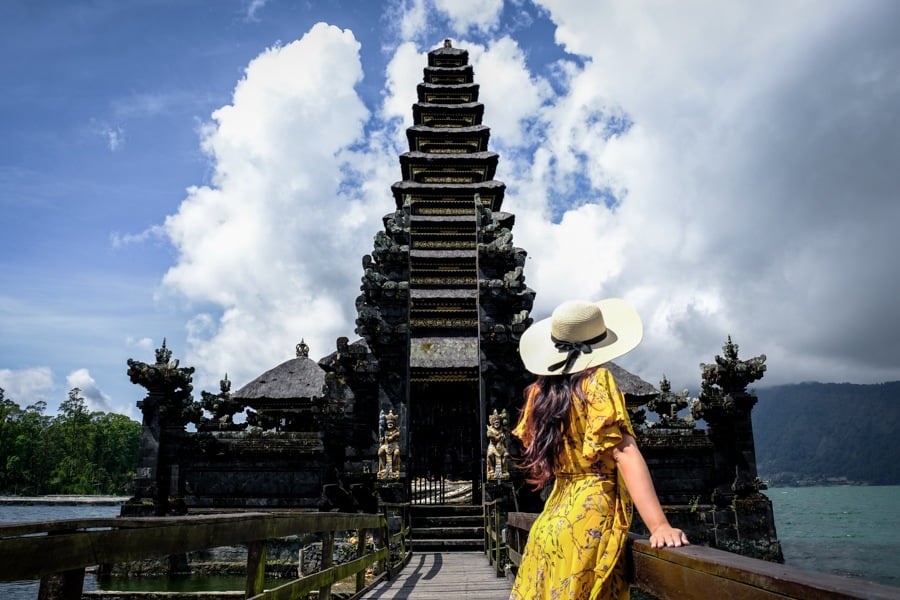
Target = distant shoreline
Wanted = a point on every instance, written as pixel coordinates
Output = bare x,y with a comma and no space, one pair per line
63,500
782,481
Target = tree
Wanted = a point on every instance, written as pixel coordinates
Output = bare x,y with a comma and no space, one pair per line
75,452
10,413
73,437
28,462
117,440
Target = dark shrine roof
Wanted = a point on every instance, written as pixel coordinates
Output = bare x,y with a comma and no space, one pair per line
629,383
295,378
448,50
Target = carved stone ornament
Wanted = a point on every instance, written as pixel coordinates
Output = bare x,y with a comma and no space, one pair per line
389,451
498,443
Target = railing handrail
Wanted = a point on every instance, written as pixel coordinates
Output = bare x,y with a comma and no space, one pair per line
699,572
401,537
63,549
105,541
494,545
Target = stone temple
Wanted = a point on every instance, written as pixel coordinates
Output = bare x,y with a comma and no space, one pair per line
417,409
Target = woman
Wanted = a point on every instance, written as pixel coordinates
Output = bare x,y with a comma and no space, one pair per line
574,428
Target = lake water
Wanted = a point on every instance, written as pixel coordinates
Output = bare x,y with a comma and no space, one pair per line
850,531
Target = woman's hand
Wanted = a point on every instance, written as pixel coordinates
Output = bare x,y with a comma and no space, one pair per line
666,535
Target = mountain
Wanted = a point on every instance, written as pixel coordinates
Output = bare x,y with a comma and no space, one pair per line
820,433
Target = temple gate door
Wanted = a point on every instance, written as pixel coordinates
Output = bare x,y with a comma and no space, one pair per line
444,453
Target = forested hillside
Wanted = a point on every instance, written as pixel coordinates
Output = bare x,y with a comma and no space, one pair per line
822,432
76,452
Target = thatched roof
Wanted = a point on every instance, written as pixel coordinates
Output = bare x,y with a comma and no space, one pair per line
629,383
293,379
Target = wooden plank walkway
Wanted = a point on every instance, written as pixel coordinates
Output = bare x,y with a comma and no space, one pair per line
445,575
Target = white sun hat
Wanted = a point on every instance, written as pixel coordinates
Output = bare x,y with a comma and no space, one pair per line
580,335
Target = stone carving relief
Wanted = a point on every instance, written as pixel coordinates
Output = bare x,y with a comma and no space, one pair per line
389,450
222,408
497,450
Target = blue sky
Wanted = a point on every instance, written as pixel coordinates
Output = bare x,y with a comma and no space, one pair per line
212,173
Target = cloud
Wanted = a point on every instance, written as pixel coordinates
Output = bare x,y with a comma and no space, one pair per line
145,104
421,20
270,250
726,168
112,135
26,386
120,240
145,344
500,68
754,192
95,398
412,18
482,15
403,74
254,7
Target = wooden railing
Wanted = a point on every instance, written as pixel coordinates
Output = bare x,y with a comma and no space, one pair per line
57,552
494,545
700,573
400,539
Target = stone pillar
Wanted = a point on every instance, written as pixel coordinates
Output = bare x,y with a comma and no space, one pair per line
725,405
166,409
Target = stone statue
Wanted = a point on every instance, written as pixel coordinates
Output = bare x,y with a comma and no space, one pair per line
497,450
222,407
667,404
389,451
725,404
169,387
724,383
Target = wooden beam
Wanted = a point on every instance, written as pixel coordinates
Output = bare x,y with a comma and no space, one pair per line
700,572
34,556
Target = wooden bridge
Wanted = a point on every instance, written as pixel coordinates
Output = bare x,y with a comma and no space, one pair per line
58,552
444,576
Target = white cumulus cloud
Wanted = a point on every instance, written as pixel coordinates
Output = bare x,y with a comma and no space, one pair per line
26,386
95,398
269,252
728,168
755,185
483,15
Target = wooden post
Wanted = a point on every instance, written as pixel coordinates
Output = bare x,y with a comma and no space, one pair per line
360,552
66,585
489,535
498,540
385,564
404,527
327,562
256,568
486,525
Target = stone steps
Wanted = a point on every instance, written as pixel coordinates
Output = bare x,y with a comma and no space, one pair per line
447,528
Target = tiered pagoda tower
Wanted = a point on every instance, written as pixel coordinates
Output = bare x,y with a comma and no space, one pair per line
443,297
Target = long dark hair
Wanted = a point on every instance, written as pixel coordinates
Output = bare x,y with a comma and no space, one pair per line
549,420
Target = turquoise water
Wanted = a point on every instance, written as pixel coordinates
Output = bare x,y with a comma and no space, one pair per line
852,531
849,530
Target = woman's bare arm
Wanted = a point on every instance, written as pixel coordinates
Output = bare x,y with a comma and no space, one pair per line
634,471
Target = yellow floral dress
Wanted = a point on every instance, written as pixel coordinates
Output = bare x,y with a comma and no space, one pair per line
574,545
